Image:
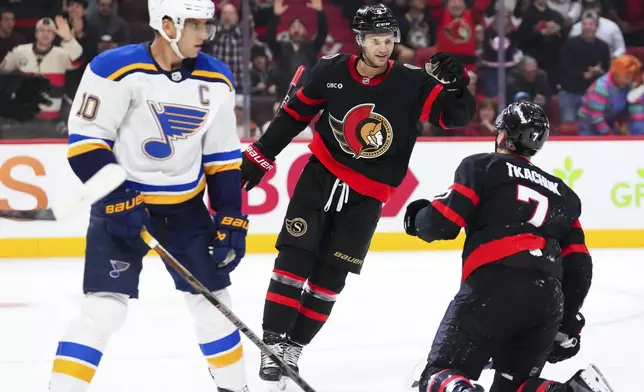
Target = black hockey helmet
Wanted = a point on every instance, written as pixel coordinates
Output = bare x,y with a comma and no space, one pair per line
375,19
526,126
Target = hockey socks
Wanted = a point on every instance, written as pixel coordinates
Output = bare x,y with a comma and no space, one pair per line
81,349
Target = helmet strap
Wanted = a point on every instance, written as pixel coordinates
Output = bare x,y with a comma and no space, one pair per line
174,42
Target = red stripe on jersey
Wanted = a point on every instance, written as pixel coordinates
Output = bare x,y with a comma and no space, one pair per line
576,224
56,79
356,181
313,315
289,275
309,101
297,116
498,249
322,290
429,102
521,387
283,300
467,192
370,82
574,248
448,213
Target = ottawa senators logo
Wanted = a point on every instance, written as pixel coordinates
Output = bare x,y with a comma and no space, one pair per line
458,31
362,133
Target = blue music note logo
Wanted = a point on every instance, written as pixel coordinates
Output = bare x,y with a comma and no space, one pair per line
175,122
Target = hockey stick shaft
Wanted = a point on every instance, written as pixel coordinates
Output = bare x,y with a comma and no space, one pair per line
201,289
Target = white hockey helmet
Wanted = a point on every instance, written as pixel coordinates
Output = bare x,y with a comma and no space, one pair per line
178,11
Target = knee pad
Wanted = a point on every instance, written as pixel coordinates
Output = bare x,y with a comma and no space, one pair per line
102,314
210,323
330,278
106,310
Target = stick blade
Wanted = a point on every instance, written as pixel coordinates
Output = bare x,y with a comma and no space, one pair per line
106,180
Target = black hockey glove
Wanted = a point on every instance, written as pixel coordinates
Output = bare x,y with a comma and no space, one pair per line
568,340
410,215
448,71
255,163
21,95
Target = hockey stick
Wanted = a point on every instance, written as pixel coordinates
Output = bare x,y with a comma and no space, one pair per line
201,289
100,185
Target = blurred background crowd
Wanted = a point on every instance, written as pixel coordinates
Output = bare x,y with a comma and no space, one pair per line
580,59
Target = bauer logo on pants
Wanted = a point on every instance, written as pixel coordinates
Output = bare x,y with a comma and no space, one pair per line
296,227
118,267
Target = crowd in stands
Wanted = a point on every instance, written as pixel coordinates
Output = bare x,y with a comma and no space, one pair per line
580,59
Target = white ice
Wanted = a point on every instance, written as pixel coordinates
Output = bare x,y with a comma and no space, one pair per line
382,325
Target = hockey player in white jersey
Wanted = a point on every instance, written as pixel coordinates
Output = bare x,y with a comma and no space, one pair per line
165,111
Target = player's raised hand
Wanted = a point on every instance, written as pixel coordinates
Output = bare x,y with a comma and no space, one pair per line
448,71
315,5
279,8
62,29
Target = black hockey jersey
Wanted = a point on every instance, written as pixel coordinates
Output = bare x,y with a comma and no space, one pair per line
509,206
368,126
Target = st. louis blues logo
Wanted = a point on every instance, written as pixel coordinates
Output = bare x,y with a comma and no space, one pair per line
118,267
176,122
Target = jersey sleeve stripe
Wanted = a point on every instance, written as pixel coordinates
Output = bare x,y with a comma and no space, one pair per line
429,102
296,115
574,248
83,148
309,101
214,168
76,138
576,224
128,69
222,157
212,77
448,213
467,192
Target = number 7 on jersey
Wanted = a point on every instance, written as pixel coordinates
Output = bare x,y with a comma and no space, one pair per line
525,194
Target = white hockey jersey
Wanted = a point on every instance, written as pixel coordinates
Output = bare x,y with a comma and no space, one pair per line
168,129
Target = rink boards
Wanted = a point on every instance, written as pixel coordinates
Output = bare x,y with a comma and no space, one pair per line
607,173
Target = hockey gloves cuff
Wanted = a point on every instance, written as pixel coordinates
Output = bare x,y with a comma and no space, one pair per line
255,163
410,215
229,245
448,71
568,340
125,215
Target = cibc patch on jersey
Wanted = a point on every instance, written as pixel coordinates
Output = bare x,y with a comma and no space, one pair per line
362,133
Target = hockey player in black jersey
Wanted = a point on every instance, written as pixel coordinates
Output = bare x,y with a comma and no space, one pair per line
361,150
526,268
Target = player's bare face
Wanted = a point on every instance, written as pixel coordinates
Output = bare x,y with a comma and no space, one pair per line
195,33
378,48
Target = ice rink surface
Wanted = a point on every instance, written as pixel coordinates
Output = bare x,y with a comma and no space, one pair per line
382,325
